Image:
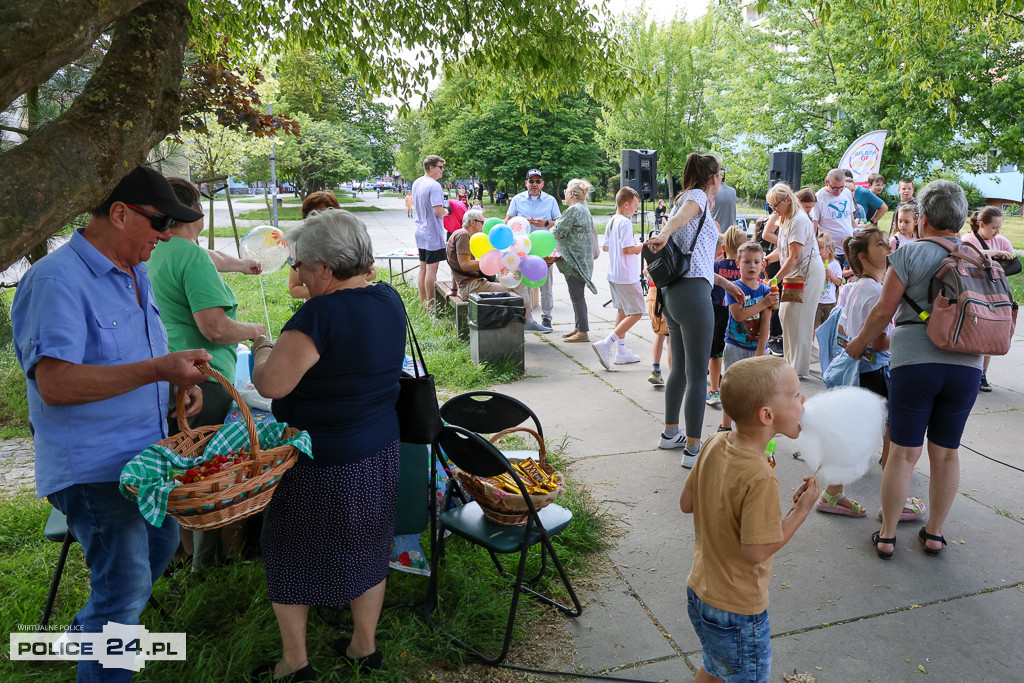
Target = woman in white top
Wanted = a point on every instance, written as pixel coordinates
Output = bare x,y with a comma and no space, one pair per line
799,256
687,303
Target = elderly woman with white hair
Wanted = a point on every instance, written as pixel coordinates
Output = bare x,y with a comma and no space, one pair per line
334,372
932,390
574,235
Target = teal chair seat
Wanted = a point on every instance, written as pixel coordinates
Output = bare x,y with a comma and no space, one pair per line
469,522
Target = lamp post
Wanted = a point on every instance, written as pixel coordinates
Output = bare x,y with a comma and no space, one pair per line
273,173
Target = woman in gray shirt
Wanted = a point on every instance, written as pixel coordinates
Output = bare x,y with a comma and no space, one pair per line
933,390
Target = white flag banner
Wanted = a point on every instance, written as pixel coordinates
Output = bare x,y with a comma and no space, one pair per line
864,156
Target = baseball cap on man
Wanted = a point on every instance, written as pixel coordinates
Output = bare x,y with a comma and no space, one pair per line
147,186
534,172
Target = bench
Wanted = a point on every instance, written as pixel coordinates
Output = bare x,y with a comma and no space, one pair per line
445,301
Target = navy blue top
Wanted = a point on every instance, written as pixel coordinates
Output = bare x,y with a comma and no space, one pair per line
346,401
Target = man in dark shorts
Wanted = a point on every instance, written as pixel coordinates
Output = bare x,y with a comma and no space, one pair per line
431,207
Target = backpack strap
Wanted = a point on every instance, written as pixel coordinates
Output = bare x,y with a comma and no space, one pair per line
946,244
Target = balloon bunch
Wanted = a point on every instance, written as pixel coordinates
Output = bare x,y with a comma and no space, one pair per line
512,253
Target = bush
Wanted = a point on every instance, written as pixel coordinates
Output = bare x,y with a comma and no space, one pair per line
975,199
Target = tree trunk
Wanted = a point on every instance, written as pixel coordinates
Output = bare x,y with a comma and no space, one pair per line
130,104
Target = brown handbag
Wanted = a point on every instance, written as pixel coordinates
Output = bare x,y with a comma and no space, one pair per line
792,290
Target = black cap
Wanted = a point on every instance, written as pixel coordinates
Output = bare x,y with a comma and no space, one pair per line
534,172
146,186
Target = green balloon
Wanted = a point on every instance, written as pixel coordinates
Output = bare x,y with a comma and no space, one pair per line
490,223
533,283
543,243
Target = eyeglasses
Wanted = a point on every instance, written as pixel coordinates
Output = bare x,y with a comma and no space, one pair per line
296,265
778,203
157,221
534,182
835,188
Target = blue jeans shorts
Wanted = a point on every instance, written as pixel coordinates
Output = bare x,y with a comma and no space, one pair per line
733,647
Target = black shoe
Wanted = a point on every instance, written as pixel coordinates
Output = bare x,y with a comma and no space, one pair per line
774,347
373,661
545,321
985,386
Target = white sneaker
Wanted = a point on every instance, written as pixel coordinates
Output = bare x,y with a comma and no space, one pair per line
624,356
677,441
603,349
689,459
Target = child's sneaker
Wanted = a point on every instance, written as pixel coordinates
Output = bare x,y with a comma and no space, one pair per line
603,349
656,378
714,398
625,357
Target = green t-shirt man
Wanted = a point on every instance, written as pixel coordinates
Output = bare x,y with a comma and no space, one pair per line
185,281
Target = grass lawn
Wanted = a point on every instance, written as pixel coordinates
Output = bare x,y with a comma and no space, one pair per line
344,199
294,213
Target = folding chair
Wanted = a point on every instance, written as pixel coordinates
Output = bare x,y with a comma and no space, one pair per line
56,529
488,412
476,455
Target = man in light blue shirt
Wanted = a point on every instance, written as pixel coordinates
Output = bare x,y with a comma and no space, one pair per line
88,337
431,208
541,209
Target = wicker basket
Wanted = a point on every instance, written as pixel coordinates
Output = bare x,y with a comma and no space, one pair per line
503,507
234,493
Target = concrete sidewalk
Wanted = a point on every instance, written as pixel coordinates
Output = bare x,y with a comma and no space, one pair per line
837,610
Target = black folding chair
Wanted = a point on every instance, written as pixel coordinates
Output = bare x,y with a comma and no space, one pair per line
488,412
476,455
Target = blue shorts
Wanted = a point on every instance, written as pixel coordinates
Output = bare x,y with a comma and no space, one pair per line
733,647
933,396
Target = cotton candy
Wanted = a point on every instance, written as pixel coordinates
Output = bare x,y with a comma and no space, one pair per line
841,430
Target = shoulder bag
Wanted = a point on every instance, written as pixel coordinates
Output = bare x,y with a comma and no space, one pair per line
419,417
1011,266
671,263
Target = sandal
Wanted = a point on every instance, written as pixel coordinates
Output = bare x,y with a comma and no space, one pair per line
876,538
913,509
830,504
925,536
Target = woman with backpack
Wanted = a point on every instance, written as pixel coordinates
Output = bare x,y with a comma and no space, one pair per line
932,389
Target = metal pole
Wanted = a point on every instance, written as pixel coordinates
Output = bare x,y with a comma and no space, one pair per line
273,175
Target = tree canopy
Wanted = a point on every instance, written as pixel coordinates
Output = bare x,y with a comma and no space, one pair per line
133,98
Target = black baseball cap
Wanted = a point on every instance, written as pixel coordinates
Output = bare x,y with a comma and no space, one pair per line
534,172
147,186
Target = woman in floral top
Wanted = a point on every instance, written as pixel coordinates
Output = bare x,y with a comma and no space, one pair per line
574,235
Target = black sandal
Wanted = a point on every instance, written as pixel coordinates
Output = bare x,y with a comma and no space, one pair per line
876,538
925,536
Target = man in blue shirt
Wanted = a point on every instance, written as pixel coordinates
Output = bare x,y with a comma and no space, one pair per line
541,209
89,339
431,207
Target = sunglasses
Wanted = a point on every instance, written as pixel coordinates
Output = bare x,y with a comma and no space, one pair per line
534,182
296,265
158,222
439,166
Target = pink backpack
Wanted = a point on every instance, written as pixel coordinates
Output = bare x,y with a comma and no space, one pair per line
973,310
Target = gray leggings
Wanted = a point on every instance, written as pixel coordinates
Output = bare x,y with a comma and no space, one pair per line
579,302
691,325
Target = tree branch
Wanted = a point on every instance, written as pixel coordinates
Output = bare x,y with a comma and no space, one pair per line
39,37
71,164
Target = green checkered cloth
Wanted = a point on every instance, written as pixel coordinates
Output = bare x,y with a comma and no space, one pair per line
152,470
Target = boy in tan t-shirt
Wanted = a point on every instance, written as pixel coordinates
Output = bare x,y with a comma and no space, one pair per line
733,494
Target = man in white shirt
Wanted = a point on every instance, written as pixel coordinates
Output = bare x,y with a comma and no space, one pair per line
431,207
834,211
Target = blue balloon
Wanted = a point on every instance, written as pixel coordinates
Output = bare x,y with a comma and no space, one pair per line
501,236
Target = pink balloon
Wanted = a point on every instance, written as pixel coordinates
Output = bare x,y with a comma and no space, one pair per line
490,263
533,268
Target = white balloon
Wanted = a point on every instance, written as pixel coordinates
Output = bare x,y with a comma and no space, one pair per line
519,224
841,430
266,244
510,259
509,279
522,243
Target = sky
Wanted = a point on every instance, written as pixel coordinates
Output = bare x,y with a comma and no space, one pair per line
662,10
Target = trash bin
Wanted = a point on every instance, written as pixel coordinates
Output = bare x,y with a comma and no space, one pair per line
496,321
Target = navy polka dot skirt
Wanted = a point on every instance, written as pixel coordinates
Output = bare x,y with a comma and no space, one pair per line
328,530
